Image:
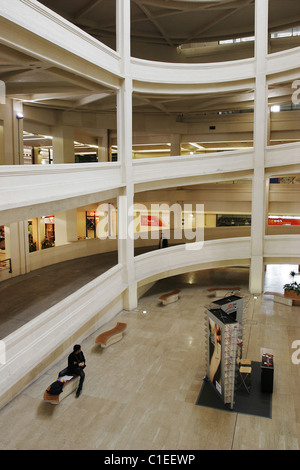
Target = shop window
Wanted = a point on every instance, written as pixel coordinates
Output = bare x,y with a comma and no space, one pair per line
92,219
49,239
233,220
31,241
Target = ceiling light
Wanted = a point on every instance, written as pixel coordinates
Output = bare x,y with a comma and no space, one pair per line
197,145
275,108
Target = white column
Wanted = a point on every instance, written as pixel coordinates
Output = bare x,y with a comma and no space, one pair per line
11,147
175,144
124,138
260,141
103,147
65,227
63,142
17,247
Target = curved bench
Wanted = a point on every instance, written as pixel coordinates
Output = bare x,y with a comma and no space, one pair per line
219,291
109,337
281,299
69,387
172,296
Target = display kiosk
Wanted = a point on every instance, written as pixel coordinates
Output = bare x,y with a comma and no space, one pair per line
233,305
223,332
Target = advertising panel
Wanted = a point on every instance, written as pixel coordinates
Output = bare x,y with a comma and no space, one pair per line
215,354
283,220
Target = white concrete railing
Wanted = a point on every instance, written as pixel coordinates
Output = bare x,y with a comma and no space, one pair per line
23,186
179,73
282,246
162,168
35,341
170,259
283,61
275,245
282,154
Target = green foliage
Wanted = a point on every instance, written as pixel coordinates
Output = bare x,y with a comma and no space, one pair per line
295,286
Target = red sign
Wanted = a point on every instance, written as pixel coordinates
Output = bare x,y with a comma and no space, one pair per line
283,221
151,221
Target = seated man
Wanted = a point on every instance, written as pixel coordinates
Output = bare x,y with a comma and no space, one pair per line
76,364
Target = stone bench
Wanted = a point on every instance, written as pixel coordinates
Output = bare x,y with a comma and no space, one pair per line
109,337
170,297
280,298
219,291
69,387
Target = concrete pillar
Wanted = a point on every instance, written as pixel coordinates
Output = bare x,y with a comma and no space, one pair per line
65,227
124,138
17,247
63,143
11,138
175,144
260,141
103,147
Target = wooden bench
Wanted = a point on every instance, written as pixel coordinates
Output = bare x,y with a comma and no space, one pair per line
111,336
69,387
172,296
219,291
280,298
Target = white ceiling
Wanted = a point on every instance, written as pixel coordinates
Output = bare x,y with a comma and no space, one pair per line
175,22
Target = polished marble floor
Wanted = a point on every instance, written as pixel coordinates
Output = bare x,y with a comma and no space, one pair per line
140,393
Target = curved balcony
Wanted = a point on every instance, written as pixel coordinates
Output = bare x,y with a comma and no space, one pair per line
188,74
282,246
172,168
283,61
282,154
39,188
184,258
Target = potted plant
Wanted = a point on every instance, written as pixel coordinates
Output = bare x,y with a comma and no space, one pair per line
292,289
